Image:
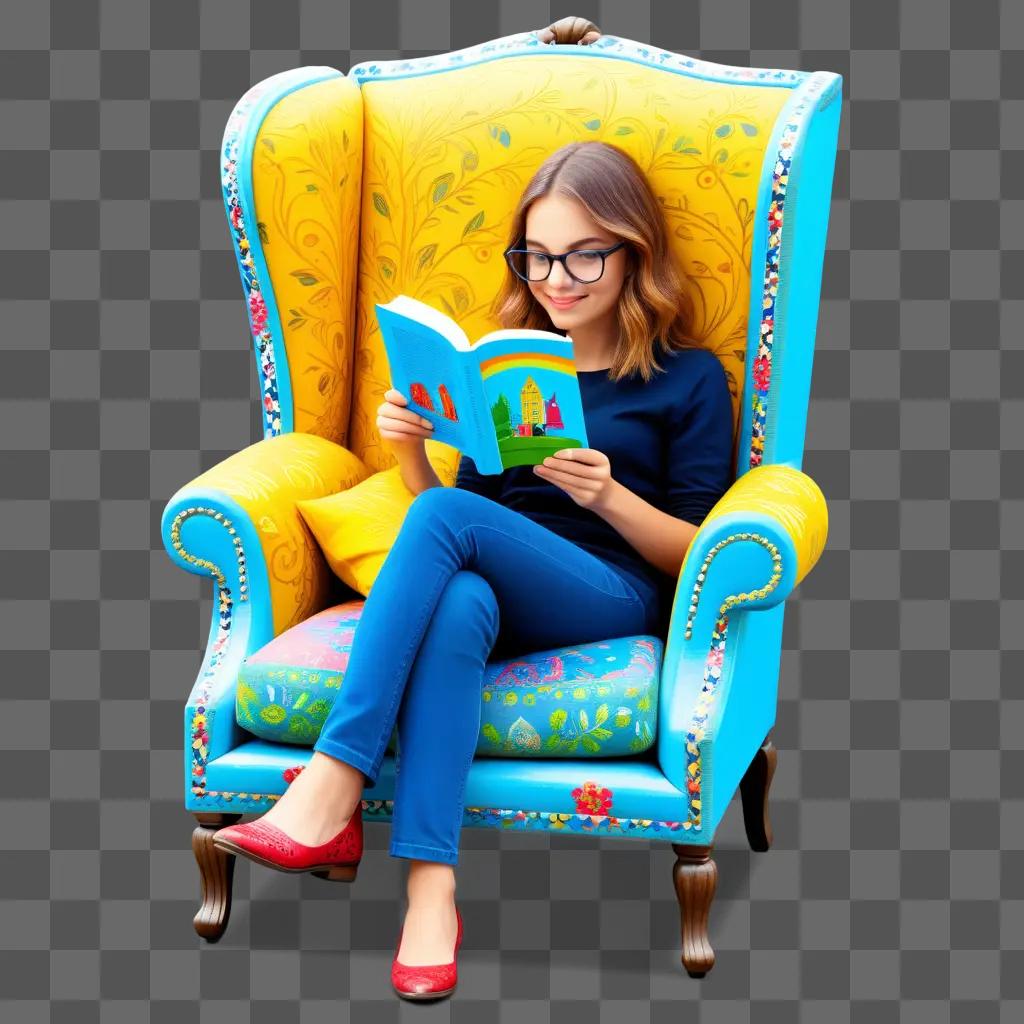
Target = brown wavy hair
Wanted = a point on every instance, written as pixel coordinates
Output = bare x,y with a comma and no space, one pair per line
654,312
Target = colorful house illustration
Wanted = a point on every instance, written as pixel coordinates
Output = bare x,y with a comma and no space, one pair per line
531,402
552,414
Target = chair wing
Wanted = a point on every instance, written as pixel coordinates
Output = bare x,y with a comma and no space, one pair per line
238,522
292,162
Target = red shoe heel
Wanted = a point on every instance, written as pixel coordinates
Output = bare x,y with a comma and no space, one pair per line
336,860
427,981
339,873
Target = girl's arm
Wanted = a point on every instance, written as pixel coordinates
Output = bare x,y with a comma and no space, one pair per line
660,538
415,468
700,450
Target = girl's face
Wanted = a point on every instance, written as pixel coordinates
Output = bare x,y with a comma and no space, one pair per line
557,224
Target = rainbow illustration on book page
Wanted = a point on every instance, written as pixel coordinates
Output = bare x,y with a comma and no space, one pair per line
533,398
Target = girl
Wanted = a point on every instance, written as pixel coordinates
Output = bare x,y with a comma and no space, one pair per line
586,547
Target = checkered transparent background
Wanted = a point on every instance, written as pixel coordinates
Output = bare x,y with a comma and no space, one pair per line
895,887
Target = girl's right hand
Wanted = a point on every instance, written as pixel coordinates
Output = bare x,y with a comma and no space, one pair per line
398,424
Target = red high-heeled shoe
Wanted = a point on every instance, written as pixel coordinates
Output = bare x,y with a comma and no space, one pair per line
428,981
260,841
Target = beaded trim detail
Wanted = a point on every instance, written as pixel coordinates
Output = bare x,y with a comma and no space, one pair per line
734,599
214,570
240,233
202,715
714,661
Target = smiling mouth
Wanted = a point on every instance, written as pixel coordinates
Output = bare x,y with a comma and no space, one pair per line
568,300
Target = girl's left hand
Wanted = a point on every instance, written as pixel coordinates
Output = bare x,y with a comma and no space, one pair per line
585,474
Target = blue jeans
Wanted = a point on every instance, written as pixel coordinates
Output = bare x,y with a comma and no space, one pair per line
428,626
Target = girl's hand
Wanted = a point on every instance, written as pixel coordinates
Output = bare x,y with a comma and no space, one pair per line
399,425
585,474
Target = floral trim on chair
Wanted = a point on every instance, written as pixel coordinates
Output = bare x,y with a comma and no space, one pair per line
254,300
200,733
761,371
547,821
553,822
592,798
606,44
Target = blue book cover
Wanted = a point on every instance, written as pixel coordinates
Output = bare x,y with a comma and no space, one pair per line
512,399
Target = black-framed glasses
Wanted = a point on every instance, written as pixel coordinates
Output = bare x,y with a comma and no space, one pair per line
583,265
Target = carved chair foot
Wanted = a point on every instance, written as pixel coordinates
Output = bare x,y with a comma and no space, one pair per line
754,788
216,870
695,876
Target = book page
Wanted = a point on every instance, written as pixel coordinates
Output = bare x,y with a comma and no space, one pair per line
532,395
426,368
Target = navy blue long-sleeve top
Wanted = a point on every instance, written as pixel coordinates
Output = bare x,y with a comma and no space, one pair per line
669,440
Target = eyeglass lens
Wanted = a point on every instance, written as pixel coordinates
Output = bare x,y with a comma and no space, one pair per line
535,266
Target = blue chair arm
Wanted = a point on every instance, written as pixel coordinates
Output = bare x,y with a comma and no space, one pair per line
238,523
751,551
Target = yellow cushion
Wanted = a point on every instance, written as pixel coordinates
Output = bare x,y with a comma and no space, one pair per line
355,528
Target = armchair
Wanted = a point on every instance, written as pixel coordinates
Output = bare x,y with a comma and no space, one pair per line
342,190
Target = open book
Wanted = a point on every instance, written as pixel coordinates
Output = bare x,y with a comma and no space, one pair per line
512,399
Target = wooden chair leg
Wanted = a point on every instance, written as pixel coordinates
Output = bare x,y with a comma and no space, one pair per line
216,869
695,876
754,789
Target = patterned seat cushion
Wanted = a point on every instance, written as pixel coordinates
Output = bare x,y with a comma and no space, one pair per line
598,699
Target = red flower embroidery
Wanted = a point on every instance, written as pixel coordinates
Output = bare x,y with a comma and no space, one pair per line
592,799
762,373
258,312
291,774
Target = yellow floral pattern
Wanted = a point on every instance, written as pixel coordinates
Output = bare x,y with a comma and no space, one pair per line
306,168
447,155
267,479
791,497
